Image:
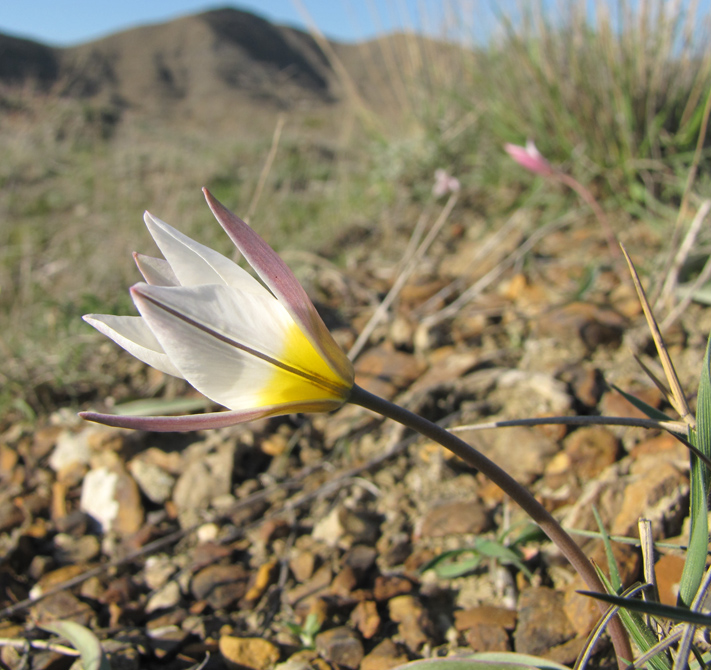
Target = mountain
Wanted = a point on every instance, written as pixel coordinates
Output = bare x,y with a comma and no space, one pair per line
223,66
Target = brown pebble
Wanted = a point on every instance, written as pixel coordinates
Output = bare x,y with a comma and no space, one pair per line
387,587
613,403
366,619
302,565
64,606
486,614
591,450
542,622
414,624
488,637
668,570
255,653
460,516
384,656
220,585
340,646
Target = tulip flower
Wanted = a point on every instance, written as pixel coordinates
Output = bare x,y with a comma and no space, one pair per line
444,183
258,349
530,158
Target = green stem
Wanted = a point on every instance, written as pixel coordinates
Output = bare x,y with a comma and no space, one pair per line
512,488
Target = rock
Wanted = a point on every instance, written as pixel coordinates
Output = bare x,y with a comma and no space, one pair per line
384,371
220,585
523,452
542,622
317,585
306,659
485,614
329,529
366,619
529,393
340,646
594,326
613,403
111,497
70,448
156,484
166,597
384,656
260,580
343,583
203,479
669,569
361,558
656,490
165,640
63,606
10,516
488,637
460,516
69,549
302,565
343,526
414,624
390,586
588,385
591,449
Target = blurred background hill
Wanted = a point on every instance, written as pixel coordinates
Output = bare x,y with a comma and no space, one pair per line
317,142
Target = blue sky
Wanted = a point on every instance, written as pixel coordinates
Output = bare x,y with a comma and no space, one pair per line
67,22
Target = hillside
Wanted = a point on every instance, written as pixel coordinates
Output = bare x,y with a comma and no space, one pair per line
214,67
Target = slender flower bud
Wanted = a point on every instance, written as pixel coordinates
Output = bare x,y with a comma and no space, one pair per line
530,158
258,348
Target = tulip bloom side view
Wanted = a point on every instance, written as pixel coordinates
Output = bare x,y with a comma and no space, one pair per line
261,349
258,349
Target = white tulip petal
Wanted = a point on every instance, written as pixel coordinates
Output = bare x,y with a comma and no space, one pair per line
193,331
156,271
234,347
195,264
133,334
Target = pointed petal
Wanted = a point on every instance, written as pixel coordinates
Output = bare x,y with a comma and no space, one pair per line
194,263
155,271
133,334
231,346
283,284
530,158
181,424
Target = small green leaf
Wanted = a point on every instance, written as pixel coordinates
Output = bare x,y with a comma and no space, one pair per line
83,640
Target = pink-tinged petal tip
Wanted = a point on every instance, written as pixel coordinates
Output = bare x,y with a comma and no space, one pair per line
530,158
281,281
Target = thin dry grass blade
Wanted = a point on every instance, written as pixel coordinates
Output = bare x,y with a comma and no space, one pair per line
672,278
679,401
267,167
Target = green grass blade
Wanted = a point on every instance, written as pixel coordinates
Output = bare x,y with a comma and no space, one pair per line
698,506
643,637
678,614
615,578
651,412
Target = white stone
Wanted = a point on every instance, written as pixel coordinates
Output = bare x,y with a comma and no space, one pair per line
98,497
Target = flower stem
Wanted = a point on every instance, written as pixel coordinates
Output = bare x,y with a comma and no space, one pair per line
512,488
